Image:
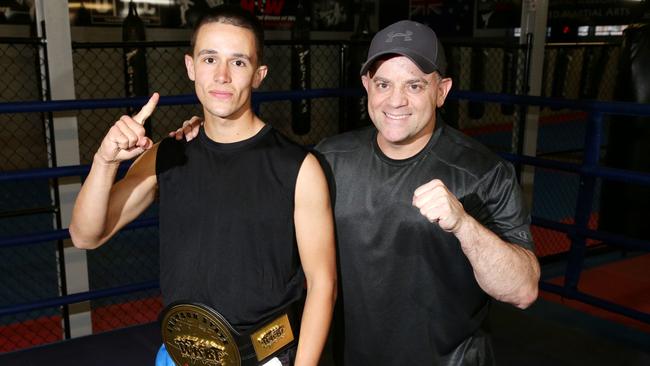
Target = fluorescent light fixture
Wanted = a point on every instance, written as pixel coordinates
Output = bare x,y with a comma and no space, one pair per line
610,30
583,30
102,7
151,2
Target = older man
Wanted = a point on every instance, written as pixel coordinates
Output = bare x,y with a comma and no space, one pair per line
430,223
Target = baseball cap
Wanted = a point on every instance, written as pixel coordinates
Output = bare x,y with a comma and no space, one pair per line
411,39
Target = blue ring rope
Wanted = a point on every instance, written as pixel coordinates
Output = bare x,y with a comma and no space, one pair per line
618,108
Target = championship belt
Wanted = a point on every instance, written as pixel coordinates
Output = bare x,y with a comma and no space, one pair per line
195,334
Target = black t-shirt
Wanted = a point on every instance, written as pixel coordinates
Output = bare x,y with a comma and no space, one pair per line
408,292
227,236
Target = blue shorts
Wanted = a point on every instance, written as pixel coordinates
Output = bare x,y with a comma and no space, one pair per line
163,359
285,357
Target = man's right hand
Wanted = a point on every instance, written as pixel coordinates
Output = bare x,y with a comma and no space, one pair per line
189,130
127,139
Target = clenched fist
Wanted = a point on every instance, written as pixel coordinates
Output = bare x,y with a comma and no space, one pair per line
439,205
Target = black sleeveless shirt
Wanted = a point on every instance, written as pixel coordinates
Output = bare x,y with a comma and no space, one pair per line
227,235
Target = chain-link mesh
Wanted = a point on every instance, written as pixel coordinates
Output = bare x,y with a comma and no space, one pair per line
96,77
324,113
22,135
129,257
486,69
29,273
167,75
132,256
570,72
31,329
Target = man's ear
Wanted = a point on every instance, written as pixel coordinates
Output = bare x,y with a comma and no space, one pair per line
259,76
189,65
444,86
365,80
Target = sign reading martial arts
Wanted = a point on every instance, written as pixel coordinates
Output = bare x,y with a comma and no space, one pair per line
595,12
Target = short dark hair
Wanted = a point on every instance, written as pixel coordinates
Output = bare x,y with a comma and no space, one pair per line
233,15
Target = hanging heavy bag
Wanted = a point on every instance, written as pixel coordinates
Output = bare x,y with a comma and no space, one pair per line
300,72
449,110
624,205
356,109
136,82
509,79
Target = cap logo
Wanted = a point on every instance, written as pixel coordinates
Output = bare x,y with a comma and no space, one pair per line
392,35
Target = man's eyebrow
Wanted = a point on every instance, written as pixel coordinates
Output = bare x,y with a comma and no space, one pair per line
418,80
241,55
410,81
209,51
379,78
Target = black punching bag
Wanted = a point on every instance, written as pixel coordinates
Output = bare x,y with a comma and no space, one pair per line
509,78
624,206
300,72
135,60
356,109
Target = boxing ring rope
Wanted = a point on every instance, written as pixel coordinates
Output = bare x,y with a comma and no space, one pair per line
63,234
184,99
588,171
78,297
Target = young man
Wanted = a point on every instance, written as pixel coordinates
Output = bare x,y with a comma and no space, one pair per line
245,218
430,223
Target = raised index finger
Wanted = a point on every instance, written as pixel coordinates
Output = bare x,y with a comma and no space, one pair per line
147,109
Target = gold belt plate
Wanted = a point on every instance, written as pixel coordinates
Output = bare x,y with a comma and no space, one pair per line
194,335
272,336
